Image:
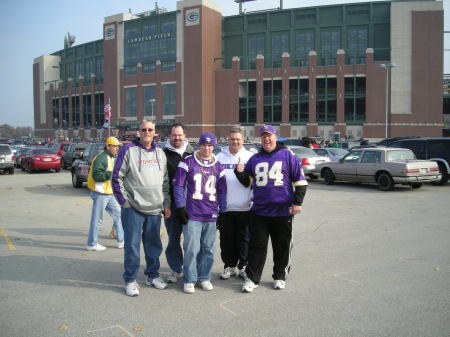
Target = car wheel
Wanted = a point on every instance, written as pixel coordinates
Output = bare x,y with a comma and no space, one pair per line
11,170
75,181
385,181
416,185
57,169
328,176
444,179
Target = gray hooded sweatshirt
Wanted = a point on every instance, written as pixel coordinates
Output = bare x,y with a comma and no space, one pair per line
140,178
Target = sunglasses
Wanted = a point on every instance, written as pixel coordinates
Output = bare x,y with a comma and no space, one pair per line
147,130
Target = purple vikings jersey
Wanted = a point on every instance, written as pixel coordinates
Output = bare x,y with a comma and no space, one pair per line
205,187
274,176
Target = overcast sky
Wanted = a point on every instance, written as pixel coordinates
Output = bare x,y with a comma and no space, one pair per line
31,28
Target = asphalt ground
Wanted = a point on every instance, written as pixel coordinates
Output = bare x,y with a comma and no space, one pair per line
365,263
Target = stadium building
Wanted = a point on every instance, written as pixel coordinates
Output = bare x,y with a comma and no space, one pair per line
361,70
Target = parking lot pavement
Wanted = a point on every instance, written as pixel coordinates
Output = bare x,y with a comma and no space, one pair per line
365,263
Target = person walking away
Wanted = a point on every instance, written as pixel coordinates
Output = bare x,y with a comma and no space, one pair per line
99,182
199,188
176,148
274,173
234,223
141,186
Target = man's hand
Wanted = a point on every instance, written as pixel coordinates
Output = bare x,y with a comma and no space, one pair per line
167,213
239,166
182,215
295,209
219,221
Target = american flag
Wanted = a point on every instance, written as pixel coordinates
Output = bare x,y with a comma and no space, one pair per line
107,111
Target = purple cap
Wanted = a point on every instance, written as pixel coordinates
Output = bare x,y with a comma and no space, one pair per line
267,128
207,138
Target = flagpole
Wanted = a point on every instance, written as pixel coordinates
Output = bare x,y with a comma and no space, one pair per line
109,124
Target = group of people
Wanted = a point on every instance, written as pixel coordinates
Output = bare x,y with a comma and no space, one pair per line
247,197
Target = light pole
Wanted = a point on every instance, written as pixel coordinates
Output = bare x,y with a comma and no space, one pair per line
388,67
152,101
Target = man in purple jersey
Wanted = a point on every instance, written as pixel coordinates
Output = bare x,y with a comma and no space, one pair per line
279,187
199,189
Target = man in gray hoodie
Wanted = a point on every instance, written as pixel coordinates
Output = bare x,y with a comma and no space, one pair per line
141,186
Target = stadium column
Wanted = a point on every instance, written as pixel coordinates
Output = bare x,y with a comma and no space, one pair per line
339,126
200,30
285,129
311,127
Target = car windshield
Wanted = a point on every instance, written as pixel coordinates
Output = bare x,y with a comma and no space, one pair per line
5,150
64,147
303,151
80,147
399,155
338,152
43,151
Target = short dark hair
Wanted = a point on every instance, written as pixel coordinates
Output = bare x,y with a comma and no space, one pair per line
176,125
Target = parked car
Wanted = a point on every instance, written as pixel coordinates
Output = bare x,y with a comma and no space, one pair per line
437,149
40,158
68,156
309,159
383,166
333,153
6,159
20,154
60,148
82,163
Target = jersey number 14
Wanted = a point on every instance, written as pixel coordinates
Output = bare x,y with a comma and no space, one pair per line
210,187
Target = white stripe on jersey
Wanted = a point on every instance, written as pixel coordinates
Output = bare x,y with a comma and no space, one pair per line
183,166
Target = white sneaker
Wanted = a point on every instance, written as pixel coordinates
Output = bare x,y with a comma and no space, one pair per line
120,245
228,272
248,286
189,288
173,278
206,285
242,273
158,282
279,284
97,248
132,289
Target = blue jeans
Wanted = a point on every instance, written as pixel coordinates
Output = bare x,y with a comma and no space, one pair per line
174,253
135,226
102,202
198,245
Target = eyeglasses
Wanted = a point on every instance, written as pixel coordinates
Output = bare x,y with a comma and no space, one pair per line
147,130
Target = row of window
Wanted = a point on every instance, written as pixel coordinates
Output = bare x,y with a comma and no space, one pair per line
354,100
330,42
87,111
83,68
169,98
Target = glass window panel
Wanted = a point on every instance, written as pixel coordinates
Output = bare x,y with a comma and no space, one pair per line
149,101
169,99
130,102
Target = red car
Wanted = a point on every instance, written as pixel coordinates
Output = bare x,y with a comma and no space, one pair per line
61,148
41,159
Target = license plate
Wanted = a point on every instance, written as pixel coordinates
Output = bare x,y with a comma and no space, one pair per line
47,159
423,170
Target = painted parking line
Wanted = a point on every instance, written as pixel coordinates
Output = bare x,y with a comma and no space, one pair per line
7,239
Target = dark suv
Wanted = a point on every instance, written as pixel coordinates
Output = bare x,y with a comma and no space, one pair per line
437,149
82,164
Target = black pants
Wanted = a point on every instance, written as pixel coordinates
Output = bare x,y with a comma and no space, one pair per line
279,228
234,239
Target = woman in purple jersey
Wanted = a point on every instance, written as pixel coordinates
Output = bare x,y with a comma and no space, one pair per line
199,189
274,173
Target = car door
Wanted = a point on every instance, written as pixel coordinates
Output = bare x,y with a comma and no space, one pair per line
369,164
345,169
